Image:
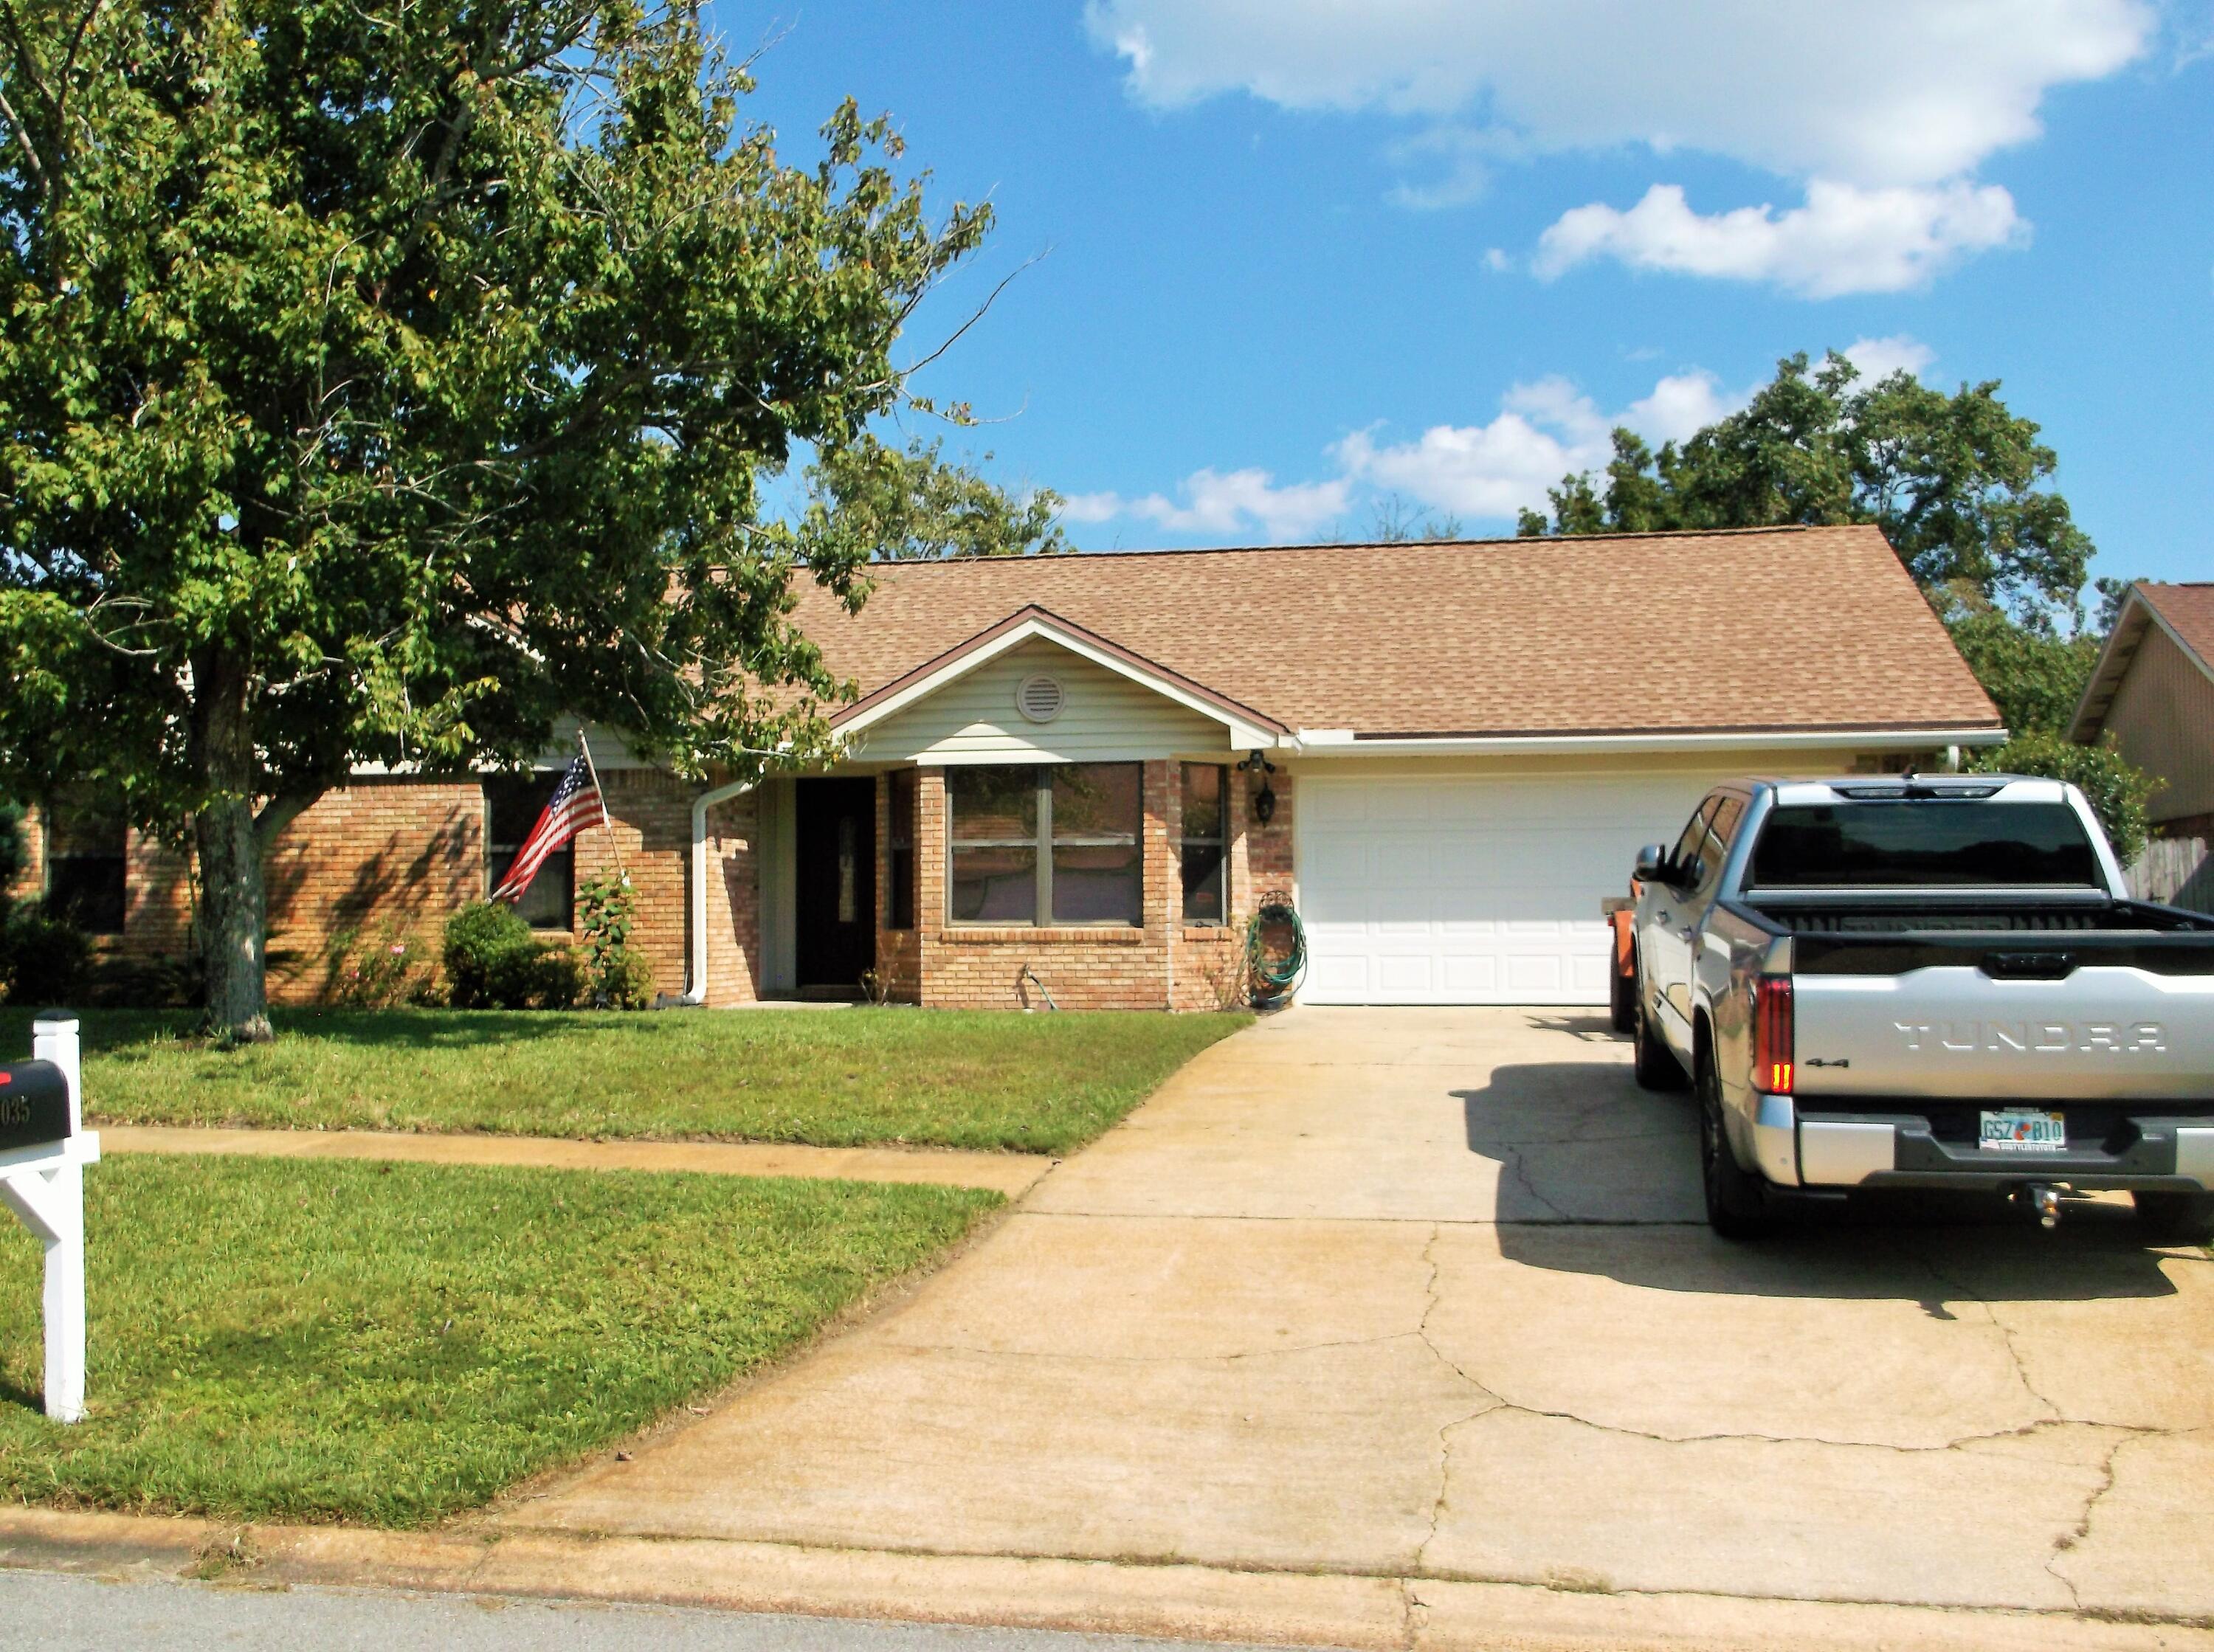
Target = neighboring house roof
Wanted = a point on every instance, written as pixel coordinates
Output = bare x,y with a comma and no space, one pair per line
1752,630
2185,613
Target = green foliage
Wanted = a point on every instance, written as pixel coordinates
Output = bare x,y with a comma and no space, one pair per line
373,970
912,506
995,1080
391,1343
11,851
382,383
494,962
43,960
1958,483
2034,676
2117,792
617,977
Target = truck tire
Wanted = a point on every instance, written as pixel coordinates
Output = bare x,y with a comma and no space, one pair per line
2179,1218
1737,1198
1622,1000
1655,1068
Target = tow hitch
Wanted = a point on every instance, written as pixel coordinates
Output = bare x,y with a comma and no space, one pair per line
2043,1200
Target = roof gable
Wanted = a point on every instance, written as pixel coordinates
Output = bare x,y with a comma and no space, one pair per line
2184,612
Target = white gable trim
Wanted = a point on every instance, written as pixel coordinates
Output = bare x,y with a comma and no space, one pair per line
1241,733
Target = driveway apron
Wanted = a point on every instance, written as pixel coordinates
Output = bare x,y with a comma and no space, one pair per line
1425,1293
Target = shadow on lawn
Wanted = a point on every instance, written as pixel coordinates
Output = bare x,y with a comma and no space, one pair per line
106,1031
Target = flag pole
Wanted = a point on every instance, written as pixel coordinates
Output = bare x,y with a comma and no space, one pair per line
606,820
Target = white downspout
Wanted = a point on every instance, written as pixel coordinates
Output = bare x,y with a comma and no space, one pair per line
696,992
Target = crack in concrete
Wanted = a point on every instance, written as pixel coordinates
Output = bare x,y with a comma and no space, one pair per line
1963,1294
1519,1163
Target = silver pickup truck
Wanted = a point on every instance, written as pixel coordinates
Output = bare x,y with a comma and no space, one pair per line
1924,982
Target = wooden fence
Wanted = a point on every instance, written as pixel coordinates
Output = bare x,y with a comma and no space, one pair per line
2176,871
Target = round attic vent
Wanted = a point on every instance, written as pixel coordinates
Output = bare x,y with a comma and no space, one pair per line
1039,698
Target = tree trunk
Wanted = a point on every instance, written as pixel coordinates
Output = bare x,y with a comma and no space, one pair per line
233,903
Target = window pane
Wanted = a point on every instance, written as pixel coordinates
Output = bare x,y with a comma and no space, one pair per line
1203,800
1098,884
546,903
1202,883
1096,799
993,886
1957,844
992,805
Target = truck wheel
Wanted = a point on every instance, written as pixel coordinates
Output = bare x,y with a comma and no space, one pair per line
1737,1199
2179,1218
1656,1068
1622,1000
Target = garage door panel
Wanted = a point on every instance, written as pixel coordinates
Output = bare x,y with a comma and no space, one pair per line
1471,891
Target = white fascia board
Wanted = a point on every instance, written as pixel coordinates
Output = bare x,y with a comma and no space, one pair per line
1333,743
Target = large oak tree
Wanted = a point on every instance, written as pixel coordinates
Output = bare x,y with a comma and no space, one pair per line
379,380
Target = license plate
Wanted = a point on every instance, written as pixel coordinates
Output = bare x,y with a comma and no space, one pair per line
2024,1130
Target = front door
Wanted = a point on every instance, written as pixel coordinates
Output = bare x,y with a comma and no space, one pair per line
835,875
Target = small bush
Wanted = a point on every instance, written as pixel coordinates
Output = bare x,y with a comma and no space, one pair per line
2117,792
42,958
618,977
372,972
494,962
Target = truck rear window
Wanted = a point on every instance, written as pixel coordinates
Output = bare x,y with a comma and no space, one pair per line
1948,843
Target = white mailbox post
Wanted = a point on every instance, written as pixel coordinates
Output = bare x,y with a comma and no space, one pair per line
44,1148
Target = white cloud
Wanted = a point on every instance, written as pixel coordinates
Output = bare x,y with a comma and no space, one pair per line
1879,358
1882,108
1845,239
1879,92
1545,429
1218,503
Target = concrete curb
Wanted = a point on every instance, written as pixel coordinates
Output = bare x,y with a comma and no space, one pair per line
1369,1613
1011,1173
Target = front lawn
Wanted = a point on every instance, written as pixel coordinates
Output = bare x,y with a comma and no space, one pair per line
390,1343
1042,1084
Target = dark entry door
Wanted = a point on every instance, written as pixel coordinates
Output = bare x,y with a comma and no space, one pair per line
836,877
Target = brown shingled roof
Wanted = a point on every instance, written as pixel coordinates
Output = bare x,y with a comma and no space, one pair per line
1767,629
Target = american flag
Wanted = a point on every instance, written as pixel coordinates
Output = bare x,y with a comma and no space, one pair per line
575,805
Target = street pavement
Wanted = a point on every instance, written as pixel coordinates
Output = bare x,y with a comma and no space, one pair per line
55,1612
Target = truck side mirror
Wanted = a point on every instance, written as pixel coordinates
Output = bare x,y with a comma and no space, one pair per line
1652,864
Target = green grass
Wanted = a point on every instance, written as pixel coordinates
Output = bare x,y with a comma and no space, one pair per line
319,1340
1039,1083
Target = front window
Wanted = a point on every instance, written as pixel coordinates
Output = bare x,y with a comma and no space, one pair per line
1201,850
511,809
85,875
1056,844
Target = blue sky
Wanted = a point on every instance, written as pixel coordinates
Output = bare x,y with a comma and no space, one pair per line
1293,256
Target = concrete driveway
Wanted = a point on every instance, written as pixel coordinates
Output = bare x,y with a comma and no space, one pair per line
1424,1295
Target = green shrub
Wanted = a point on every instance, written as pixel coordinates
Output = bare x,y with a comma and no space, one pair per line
43,960
486,944
371,972
2117,792
494,962
618,977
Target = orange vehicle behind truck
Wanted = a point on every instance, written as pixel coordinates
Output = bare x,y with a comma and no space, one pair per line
1620,911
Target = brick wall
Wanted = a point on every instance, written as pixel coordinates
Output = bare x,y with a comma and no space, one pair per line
733,900
650,814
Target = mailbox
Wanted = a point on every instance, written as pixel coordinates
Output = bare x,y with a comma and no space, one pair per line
34,1104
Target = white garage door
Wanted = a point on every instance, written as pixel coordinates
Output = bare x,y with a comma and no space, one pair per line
1471,891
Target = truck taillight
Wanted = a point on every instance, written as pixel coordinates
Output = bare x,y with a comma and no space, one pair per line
1772,1034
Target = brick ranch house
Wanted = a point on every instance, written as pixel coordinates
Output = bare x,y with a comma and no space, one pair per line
1054,777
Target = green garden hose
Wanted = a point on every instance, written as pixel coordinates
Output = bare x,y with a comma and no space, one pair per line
1273,979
